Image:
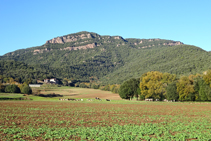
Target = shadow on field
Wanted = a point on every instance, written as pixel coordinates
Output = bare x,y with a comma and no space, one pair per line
17,98
49,95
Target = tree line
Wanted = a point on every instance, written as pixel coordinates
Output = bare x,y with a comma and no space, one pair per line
15,88
153,84
157,85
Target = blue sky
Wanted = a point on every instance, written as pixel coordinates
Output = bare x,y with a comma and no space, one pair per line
29,23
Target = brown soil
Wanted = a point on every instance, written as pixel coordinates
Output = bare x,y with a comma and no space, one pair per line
83,93
73,114
93,114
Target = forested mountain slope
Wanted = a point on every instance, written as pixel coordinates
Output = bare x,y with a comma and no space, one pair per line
112,59
21,71
180,60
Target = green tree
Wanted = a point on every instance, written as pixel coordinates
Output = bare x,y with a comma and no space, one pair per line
34,81
129,89
12,89
202,90
171,91
5,80
65,82
26,90
18,79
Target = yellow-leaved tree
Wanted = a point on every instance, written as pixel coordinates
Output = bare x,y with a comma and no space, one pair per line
153,84
185,87
207,77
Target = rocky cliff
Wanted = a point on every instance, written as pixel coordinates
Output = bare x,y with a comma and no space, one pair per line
69,38
88,40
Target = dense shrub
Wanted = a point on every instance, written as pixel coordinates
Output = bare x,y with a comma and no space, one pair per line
12,89
82,85
115,90
26,90
102,87
95,86
107,88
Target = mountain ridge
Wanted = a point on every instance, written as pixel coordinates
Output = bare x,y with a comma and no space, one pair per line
78,41
112,59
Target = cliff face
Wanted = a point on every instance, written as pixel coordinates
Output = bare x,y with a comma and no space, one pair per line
88,40
173,43
69,38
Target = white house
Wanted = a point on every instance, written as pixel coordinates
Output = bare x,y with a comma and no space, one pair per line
52,80
46,80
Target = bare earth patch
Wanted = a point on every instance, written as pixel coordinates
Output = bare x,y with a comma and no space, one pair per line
83,93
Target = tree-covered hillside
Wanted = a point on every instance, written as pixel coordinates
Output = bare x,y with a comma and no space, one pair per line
112,59
21,71
180,60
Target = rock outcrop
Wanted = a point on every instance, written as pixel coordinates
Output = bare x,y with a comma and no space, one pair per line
69,38
173,44
165,44
85,40
80,47
36,51
41,51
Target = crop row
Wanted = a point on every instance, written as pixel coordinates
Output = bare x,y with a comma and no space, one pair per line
28,120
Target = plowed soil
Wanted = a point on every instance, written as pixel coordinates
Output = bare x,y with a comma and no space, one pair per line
83,93
23,113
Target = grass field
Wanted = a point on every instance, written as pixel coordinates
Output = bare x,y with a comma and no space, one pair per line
103,120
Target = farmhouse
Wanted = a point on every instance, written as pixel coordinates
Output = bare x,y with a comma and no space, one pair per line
52,80
46,80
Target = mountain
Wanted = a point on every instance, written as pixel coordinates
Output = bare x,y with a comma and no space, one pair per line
111,59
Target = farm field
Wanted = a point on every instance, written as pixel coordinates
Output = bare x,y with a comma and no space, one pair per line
72,92
101,120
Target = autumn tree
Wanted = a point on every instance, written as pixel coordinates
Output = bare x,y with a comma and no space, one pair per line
116,89
153,84
185,88
106,88
207,77
11,81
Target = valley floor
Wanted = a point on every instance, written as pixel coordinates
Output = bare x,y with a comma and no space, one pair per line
51,119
